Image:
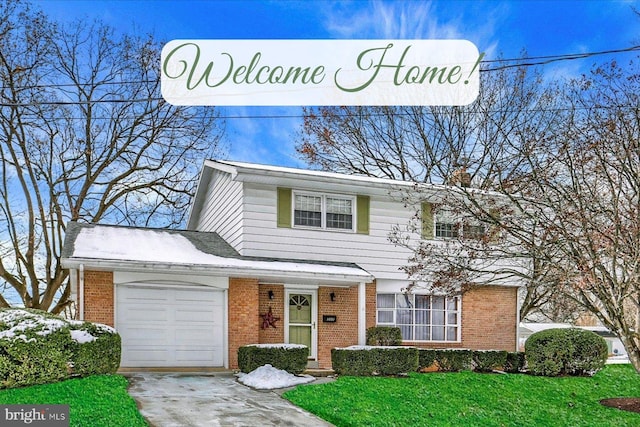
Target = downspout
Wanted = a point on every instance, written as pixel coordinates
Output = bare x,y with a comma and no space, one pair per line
81,291
517,319
362,314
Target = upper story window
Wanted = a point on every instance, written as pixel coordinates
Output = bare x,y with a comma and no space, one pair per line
448,225
308,211
323,211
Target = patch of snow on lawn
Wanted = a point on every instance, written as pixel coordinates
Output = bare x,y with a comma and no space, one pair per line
82,337
267,378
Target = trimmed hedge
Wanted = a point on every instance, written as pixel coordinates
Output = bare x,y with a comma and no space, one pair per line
374,360
454,360
489,360
515,363
37,347
288,357
100,355
571,351
426,357
384,336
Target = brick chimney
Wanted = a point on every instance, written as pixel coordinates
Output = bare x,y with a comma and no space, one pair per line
460,177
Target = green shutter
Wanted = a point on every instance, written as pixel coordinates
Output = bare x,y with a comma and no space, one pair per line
494,230
427,221
362,208
284,207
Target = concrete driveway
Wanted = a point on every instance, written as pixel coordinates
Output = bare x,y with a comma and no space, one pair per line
215,399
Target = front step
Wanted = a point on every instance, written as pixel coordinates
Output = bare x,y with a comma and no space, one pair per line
319,373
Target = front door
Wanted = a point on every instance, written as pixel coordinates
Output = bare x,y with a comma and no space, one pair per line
301,320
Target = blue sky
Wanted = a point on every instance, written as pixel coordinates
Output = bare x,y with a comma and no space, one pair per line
268,134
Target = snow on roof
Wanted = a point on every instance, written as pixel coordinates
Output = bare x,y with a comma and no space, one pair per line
170,247
268,169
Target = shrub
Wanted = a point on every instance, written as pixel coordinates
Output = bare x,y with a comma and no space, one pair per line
571,351
95,349
374,360
515,362
454,360
384,336
288,357
489,360
426,357
37,347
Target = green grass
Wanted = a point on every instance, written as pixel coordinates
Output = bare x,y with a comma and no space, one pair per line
472,399
96,401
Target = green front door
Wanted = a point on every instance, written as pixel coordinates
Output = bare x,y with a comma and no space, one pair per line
300,319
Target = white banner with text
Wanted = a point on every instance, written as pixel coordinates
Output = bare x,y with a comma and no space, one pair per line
320,72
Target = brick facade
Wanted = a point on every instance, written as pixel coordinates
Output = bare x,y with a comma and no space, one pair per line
488,315
489,320
98,297
271,335
243,315
342,333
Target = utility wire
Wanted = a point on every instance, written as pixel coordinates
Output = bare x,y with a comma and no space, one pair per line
530,61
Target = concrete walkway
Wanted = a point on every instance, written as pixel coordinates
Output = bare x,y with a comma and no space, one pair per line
215,399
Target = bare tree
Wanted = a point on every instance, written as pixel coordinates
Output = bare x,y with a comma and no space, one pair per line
575,211
84,136
433,144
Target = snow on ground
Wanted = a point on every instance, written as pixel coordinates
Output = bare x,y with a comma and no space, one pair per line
615,360
267,378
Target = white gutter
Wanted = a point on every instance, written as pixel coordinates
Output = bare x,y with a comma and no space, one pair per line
517,319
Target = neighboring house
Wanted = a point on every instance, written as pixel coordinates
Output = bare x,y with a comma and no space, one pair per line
614,345
274,255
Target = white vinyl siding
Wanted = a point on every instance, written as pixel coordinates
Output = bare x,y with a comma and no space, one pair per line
421,317
222,210
372,251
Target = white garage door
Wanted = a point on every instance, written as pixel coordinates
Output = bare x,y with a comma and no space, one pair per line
170,326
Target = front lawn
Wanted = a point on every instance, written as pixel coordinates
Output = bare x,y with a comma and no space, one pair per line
99,400
472,399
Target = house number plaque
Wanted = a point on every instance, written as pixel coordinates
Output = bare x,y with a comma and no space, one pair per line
329,318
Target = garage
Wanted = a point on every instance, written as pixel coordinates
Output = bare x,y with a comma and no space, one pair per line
170,326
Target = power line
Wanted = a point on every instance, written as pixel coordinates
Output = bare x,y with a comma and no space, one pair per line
301,116
530,61
544,60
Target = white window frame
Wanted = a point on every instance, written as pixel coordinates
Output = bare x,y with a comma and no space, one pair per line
323,210
458,323
458,225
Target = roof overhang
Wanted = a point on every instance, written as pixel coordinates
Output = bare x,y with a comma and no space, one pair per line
311,276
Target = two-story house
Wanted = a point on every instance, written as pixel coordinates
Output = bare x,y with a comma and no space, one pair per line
274,255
